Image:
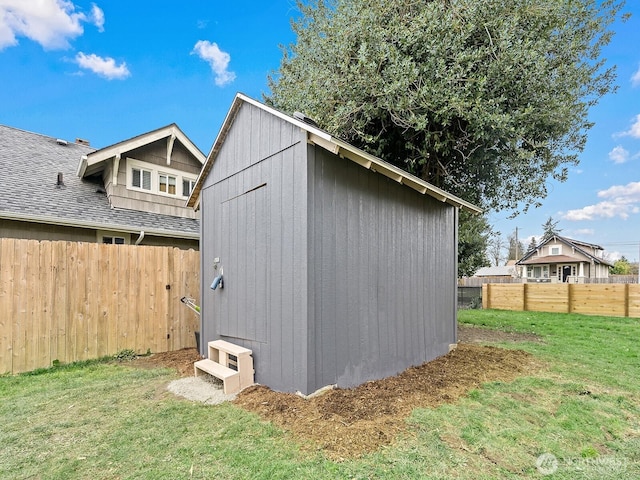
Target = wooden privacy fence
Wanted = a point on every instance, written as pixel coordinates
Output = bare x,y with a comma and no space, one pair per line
70,301
617,300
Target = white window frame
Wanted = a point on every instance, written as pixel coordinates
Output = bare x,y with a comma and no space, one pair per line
167,181
555,247
192,184
101,234
142,171
537,271
156,172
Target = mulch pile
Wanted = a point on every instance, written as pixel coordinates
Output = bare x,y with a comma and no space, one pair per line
346,423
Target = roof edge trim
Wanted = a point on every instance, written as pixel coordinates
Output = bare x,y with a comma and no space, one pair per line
97,226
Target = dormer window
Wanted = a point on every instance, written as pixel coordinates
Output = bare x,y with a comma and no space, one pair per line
167,184
187,186
159,180
141,178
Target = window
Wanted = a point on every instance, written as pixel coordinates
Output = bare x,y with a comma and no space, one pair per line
187,186
113,240
141,178
158,180
555,250
538,272
167,184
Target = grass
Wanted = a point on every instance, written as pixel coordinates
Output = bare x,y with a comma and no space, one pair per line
108,421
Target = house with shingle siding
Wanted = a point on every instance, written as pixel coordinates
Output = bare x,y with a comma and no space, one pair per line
132,192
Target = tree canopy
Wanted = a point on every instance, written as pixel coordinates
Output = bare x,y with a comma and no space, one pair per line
550,229
487,100
621,267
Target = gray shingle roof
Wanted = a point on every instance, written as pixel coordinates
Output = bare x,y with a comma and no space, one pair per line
29,166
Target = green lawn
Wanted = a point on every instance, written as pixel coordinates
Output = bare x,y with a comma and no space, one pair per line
106,421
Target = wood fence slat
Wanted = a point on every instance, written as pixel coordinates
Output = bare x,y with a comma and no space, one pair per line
7,263
132,327
43,314
59,310
93,299
19,315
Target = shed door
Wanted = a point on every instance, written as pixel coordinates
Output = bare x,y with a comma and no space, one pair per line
244,258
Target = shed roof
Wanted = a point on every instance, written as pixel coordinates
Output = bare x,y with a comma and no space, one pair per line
30,164
325,140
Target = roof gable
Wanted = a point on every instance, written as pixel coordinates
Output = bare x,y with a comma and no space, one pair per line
94,162
574,244
338,147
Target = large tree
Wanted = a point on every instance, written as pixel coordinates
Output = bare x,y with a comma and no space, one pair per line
485,99
488,100
516,247
550,229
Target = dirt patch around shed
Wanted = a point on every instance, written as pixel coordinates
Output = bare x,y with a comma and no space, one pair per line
346,423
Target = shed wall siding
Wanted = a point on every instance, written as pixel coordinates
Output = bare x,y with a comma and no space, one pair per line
254,220
383,263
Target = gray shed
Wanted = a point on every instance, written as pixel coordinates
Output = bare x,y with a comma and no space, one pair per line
338,267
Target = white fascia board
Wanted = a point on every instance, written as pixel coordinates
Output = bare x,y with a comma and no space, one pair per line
288,118
391,171
120,148
64,222
194,199
82,166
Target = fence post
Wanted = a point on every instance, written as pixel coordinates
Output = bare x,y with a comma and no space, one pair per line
485,296
626,300
525,295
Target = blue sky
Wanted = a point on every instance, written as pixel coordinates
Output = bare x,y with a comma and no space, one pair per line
107,71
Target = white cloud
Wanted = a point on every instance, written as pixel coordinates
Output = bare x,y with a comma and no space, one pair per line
97,16
613,256
618,155
635,78
105,67
217,60
619,201
51,23
634,130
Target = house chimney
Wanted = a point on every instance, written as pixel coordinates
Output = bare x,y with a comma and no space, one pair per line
59,181
82,141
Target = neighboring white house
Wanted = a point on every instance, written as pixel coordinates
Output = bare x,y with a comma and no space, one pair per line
560,259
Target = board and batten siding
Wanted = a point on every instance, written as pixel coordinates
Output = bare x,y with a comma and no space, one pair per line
333,274
253,206
383,263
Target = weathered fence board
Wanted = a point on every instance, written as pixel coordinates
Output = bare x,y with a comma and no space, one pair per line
616,300
71,301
